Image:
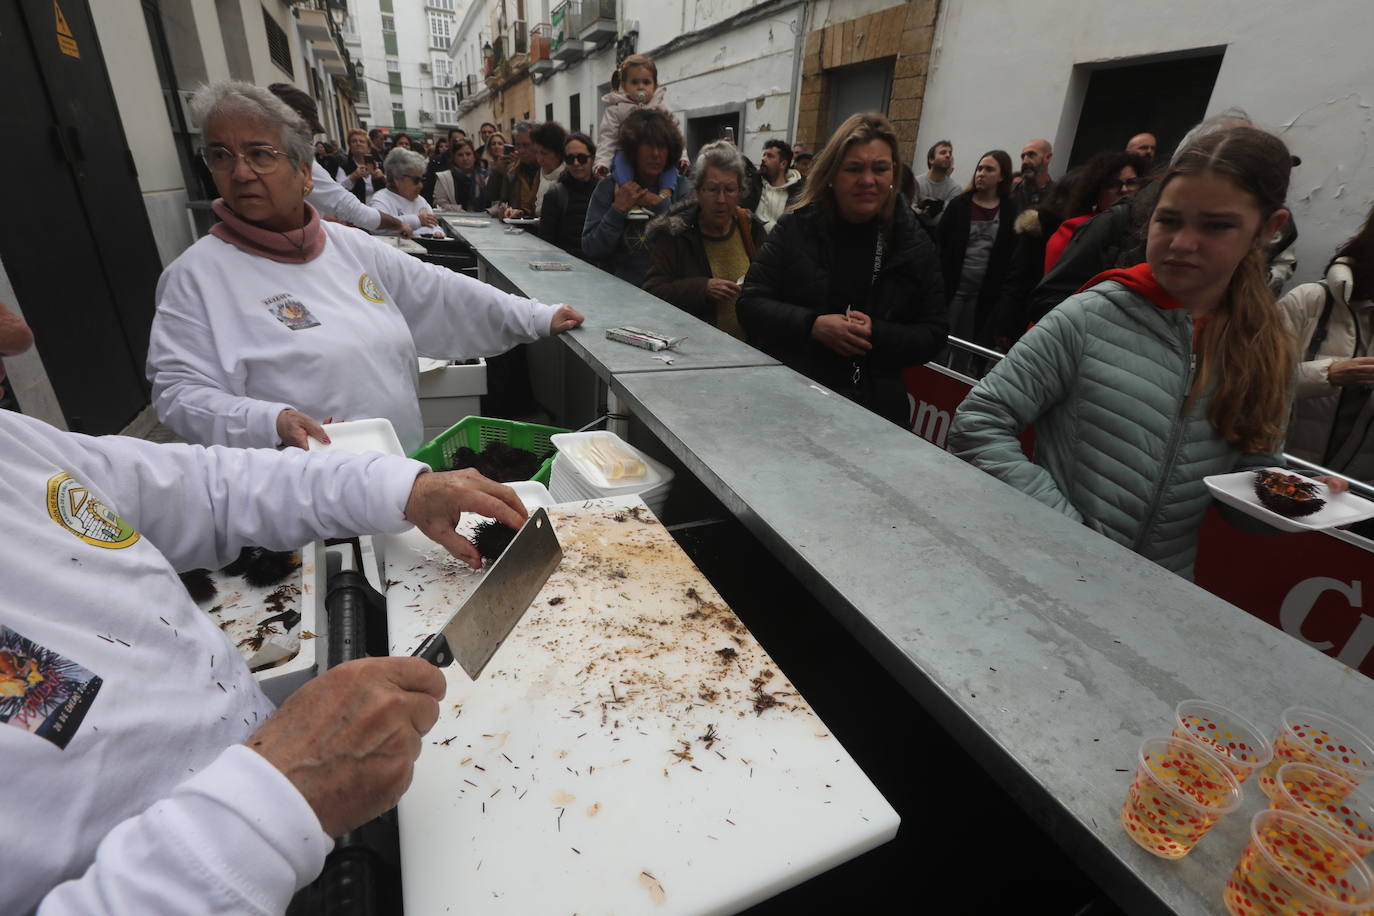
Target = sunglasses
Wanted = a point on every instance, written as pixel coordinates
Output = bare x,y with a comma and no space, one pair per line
579,158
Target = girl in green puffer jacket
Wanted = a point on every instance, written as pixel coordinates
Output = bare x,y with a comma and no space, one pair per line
1154,377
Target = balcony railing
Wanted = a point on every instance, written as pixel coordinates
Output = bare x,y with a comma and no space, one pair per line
540,41
595,20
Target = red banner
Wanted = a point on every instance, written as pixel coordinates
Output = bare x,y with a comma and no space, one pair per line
1311,585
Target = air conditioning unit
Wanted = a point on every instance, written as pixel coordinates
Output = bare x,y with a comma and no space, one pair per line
424,68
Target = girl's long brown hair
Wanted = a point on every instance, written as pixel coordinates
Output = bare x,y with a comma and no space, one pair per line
859,128
1246,355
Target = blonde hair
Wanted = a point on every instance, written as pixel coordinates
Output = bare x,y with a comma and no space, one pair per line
1246,355
629,63
859,128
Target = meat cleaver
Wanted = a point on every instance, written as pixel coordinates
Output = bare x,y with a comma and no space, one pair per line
481,625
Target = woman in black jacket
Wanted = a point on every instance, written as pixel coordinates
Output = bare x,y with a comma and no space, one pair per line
976,237
847,289
564,210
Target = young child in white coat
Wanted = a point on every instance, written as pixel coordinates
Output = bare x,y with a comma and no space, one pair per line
634,85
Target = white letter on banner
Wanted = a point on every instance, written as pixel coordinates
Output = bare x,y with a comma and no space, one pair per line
932,423
1301,598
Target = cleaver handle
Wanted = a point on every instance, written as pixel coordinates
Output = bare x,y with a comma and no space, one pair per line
435,650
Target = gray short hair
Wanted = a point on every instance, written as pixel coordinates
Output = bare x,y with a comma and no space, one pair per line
1224,120
721,155
234,98
522,127
401,160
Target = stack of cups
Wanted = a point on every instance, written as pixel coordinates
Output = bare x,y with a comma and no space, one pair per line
1306,851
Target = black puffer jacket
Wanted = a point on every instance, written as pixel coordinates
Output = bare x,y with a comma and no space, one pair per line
564,213
952,236
788,286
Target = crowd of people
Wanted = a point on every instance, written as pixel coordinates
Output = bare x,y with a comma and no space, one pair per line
1133,300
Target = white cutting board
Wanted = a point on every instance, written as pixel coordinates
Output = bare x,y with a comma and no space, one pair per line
575,776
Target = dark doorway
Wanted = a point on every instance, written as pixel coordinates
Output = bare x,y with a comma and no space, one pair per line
708,129
1163,97
87,290
575,114
859,88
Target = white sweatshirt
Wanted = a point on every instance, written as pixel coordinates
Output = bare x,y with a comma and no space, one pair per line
238,338
407,211
149,804
332,199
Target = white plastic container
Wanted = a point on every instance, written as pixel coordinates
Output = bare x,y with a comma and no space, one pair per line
449,392
573,479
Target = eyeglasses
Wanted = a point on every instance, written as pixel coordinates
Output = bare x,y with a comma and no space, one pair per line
579,158
263,160
719,190
418,179
1126,185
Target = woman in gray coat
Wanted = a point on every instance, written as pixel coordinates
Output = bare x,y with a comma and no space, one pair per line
1160,374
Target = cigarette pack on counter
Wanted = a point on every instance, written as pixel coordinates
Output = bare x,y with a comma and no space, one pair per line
647,340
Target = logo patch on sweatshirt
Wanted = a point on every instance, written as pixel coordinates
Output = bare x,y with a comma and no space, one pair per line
40,691
290,312
72,506
369,288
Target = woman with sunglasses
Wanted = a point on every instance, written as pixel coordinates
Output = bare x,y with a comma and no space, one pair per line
565,205
276,320
405,175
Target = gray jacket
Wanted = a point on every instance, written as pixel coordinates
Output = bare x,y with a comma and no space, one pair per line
1104,378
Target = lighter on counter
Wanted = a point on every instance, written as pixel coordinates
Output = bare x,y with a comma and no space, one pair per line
647,340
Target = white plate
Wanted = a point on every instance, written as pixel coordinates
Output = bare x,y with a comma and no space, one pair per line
360,437
532,493
1238,490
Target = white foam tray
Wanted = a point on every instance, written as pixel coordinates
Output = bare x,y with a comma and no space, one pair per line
1238,491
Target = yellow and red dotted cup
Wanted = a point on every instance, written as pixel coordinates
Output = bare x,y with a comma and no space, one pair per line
1330,799
1227,734
1179,792
1293,865
1312,736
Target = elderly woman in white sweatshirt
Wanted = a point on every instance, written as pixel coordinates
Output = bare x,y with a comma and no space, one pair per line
405,173
278,320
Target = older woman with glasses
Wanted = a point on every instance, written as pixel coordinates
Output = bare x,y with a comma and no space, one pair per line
565,205
701,249
405,174
277,320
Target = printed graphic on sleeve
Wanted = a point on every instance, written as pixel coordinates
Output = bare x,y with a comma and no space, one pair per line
369,288
290,312
73,507
40,691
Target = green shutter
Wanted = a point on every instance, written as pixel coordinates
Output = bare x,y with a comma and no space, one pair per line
398,119
389,42
395,80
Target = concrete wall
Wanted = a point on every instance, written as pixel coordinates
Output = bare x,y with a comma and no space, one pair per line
128,53
1303,72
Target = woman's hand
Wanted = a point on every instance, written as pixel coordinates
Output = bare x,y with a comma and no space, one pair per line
840,334
378,174
1336,485
294,427
565,319
428,219
648,199
357,173
721,290
626,196
1356,372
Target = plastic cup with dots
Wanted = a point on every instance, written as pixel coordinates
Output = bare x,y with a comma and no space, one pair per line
1295,865
1227,734
1311,736
1179,792
1334,801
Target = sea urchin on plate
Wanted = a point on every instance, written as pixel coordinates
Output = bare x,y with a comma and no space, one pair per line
1287,494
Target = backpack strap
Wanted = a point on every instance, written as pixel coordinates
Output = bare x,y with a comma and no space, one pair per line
1319,333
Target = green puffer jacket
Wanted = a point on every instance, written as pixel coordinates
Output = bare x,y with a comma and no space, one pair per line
1104,378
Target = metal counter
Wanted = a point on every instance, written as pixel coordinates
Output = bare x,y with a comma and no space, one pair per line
1047,650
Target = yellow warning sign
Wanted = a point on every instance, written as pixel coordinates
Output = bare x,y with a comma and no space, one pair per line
66,41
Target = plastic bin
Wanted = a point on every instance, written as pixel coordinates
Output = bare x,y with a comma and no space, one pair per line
476,432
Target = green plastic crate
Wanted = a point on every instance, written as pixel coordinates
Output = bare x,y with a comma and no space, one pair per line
476,432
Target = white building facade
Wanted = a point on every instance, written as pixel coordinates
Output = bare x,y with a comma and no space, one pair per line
405,73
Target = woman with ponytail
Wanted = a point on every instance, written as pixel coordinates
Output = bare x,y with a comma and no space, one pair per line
1155,376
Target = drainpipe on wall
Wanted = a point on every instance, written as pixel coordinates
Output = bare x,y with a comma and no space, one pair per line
803,19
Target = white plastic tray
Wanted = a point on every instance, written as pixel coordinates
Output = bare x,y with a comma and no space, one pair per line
1238,490
360,437
569,446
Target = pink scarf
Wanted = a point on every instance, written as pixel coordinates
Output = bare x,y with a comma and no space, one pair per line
294,247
